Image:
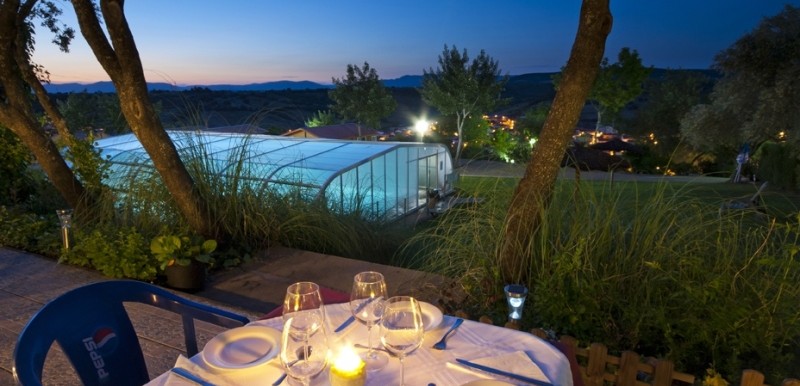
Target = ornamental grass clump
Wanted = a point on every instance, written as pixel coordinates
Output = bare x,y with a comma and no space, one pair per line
643,267
253,214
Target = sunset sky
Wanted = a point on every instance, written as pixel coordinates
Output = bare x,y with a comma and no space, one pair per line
204,42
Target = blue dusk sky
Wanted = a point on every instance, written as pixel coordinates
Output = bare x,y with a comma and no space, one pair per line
204,42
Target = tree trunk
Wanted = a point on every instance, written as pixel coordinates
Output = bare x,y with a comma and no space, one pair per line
460,119
120,59
16,112
534,191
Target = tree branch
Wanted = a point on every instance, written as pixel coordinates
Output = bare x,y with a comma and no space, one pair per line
91,31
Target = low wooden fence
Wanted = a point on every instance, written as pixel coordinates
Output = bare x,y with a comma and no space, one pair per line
598,368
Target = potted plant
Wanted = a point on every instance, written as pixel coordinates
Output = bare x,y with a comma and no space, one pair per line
184,260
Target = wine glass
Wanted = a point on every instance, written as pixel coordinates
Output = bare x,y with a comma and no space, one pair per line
401,328
304,351
303,302
366,304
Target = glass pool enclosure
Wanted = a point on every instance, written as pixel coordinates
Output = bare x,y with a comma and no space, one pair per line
377,179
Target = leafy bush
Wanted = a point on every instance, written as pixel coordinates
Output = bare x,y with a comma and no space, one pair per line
170,250
778,164
116,252
30,232
15,186
659,273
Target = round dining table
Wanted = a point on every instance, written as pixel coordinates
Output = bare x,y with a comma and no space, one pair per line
426,366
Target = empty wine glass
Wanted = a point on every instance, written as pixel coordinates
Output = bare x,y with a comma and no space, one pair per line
366,304
303,302
304,351
401,328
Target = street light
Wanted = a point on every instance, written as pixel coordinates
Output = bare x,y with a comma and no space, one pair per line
421,127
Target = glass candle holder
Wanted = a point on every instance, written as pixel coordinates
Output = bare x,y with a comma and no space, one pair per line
348,369
515,296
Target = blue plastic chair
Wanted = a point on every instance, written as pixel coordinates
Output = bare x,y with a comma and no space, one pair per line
94,331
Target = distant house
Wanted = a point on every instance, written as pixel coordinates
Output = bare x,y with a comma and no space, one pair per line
344,131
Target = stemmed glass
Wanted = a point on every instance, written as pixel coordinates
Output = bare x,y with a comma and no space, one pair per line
303,302
366,304
304,351
401,328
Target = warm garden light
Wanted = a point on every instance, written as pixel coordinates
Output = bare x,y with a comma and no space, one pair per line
421,127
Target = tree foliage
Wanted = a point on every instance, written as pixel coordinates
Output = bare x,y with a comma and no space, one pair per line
14,161
617,84
360,96
668,100
321,118
462,88
85,111
756,99
19,77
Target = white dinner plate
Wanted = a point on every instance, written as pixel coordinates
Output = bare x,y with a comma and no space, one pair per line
487,382
431,316
242,347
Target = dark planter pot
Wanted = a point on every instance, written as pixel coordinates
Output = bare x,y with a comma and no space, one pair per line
188,278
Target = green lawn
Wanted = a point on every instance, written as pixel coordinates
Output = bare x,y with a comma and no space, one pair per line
778,203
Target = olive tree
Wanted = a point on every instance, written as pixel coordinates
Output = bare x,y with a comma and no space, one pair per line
756,98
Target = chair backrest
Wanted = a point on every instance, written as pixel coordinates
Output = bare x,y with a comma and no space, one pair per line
94,331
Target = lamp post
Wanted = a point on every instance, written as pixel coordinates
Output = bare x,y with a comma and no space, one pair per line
65,217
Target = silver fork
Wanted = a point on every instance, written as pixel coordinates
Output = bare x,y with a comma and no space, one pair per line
442,344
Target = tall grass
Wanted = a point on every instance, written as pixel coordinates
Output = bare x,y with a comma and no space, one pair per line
253,214
657,271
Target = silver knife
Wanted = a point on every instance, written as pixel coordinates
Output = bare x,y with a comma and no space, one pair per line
352,318
507,374
192,377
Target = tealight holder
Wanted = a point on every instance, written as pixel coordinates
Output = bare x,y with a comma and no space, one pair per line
348,369
515,296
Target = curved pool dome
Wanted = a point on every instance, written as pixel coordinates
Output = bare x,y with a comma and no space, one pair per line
381,179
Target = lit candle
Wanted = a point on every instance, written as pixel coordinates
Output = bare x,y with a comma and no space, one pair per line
348,369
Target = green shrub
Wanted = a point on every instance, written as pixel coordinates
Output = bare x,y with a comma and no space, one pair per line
15,184
116,252
659,273
181,250
777,163
30,232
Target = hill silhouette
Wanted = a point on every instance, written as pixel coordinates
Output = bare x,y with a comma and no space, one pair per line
279,106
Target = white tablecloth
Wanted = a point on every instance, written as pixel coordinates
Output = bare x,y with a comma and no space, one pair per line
471,341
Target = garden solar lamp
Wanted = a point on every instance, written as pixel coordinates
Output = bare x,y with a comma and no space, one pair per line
515,296
65,217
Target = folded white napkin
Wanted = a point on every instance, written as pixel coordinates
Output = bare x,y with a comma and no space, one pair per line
183,362
516,362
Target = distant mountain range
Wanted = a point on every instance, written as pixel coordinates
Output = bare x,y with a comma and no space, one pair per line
515,81
403,81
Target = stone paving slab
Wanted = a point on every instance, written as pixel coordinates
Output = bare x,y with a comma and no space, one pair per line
28,281
261,285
